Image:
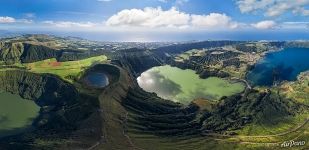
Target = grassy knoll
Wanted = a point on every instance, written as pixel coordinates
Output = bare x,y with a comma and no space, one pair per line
63,69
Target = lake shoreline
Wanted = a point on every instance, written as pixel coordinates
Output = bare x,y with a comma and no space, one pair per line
184,85
12,121
279,66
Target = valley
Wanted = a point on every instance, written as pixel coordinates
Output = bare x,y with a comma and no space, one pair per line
193,95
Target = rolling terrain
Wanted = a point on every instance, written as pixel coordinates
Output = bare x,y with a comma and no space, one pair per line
50,71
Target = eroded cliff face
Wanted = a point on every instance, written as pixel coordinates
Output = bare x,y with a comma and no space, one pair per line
130,113
33,53
136,61
111,71
11,52
126,109
43,89
66,114
70,117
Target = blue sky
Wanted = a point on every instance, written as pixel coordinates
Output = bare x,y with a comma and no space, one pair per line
158,20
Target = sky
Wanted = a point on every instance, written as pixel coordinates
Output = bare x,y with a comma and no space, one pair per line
159,20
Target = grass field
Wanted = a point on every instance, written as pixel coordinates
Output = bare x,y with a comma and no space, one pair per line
64,69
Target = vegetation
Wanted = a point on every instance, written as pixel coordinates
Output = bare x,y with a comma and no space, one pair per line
66,70
298,90
65,111
123,116
238,122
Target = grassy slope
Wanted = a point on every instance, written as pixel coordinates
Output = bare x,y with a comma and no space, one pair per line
63,69
271,138
298,90
290,128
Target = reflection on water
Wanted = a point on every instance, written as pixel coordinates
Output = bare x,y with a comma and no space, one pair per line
279,66
97,79
184,85
155,82
16,114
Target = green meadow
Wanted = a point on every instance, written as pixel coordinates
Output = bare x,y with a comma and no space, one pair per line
64,69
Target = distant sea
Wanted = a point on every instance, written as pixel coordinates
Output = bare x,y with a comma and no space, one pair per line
277,35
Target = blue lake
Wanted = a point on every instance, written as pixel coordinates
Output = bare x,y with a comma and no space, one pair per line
96,79
278,66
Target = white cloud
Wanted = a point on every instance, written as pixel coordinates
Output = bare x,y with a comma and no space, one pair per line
13,20
7,19
181,2
29,15
246,6
274,7
68,24
267,24
149,17
26,21
156,17
302,11
213,20
295,25
176,2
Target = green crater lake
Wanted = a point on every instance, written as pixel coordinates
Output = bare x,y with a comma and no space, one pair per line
16,114
185,85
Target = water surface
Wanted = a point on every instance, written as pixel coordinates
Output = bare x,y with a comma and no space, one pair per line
97,79
281,65
16,114
185,85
